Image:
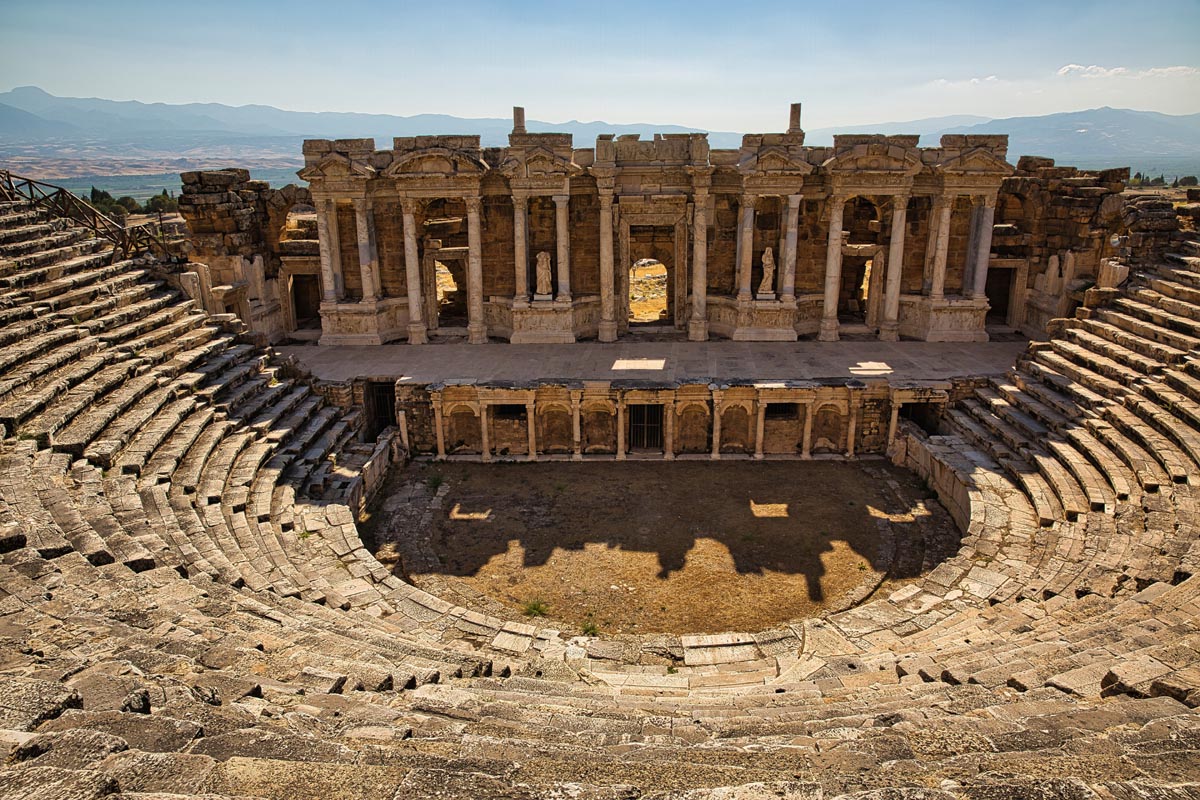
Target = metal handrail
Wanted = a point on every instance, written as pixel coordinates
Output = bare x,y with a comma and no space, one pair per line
127,241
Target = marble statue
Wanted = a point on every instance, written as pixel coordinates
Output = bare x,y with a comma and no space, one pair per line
544,285
767,286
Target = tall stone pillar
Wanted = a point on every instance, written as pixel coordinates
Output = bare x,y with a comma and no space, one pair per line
698,322
746,246
716,426
852,426
669,431
531,425
889,329
759,430
439,428
968,274
327,239
787,284
520,250
484,432
943,207
412,274
368,258
833,271
576,426
563,240
476,327
806,446
608,300
983,247
893,423
621,429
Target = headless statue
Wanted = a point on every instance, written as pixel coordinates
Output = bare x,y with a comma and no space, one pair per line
768,279
544,285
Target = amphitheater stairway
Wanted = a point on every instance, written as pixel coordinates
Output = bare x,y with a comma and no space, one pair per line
186,609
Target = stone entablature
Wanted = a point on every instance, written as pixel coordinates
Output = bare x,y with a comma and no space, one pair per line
595,211
692,419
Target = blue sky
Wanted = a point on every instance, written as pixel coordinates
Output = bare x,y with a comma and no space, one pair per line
722,66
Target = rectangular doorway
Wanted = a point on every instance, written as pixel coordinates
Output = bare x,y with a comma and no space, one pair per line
646,427
306,302
380,407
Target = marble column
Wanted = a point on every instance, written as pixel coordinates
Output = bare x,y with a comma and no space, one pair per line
983,247
608,300
852,428
563,241
787,284
669,431
698,322
716,427
402,420
806,446
576,428
368,258
476,327
330,254
412,274
484,432
621,430
893,422
943,207
531,426
968,274
746,246
889,330
759,430
833,271
520,250
438,428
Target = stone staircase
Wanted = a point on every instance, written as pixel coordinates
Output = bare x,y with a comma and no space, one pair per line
186,609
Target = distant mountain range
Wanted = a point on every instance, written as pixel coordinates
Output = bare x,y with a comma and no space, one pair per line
41,131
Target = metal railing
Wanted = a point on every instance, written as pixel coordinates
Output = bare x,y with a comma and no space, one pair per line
128,241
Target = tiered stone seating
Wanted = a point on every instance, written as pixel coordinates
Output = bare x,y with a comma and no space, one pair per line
186,609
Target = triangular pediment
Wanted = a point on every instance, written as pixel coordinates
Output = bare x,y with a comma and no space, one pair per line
434,162
336,165
976,161
774,161
538,162
875,158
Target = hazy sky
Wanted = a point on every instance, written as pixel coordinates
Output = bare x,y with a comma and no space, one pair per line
718,65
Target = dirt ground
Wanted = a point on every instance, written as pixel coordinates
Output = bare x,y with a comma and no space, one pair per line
648,293
641,547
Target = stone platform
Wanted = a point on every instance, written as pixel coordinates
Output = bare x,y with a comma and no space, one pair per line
665,361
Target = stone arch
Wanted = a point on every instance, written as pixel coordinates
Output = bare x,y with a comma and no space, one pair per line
693,428
555,432
598,429
828,430
736,436
463,432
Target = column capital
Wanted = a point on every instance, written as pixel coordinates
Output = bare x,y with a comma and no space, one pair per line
944,199
900,199
749,199
474,203
606,197
794,200
520,196
561,199
410,205
362,203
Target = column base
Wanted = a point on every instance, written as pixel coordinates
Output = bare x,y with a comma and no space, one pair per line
714,457
668,456
829,330
620,456
608,330
889,332
697,330
577,456
758,456
476,334
417,334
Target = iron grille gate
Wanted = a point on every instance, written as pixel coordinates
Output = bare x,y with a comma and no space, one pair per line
645,427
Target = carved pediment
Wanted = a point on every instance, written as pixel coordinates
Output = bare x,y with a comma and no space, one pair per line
334,166
773,161
976,161
435,162
538,162
876,158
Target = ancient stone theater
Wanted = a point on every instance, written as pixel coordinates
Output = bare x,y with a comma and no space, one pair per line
249,478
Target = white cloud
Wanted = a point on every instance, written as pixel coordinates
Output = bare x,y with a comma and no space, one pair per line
1097,71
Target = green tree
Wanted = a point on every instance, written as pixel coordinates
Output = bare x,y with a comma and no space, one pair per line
129,204
1188,180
